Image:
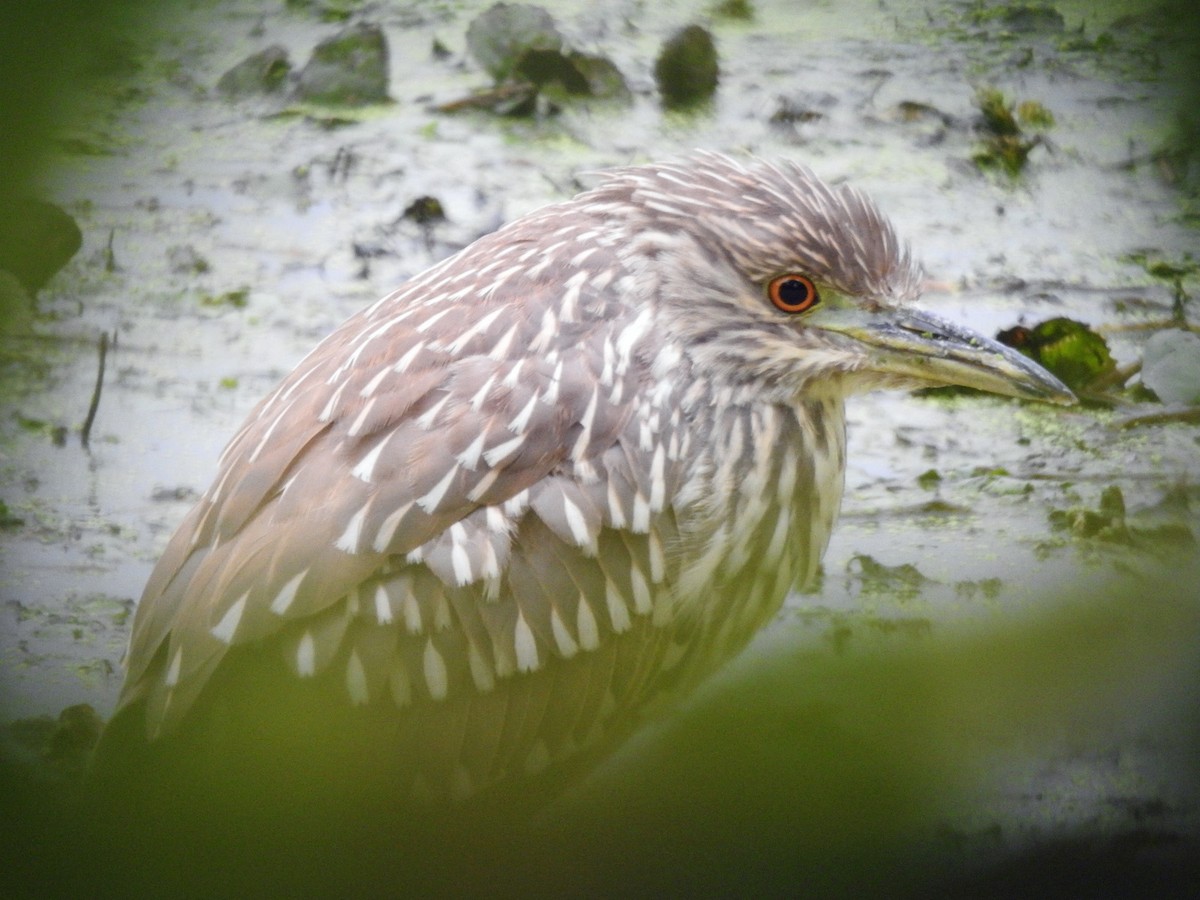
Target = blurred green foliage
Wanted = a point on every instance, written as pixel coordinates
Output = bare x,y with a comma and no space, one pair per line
48,50
826,774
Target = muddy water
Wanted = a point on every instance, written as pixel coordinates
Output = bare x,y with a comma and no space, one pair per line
241,233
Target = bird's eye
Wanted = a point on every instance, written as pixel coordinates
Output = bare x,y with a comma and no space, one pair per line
793,293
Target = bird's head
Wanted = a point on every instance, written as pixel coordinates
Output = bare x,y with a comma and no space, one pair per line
770,276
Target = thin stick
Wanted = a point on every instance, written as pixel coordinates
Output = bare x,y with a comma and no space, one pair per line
86,432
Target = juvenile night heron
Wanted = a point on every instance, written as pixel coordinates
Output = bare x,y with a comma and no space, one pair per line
567,471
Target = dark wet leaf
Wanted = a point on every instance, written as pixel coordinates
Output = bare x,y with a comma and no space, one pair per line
425,210
1069,349
511,99
604,80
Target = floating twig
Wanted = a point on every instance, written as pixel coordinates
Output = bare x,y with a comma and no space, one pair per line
1188,414
86,432
110,258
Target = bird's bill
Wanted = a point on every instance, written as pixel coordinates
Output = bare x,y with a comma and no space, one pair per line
910,343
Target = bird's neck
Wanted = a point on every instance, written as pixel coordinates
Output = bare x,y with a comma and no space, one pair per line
765,493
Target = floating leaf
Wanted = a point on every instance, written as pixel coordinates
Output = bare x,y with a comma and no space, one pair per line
1005,145
1069,349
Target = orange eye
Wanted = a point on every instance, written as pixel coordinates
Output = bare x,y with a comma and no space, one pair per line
793,293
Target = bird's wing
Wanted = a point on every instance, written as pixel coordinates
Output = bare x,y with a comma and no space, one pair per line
397,468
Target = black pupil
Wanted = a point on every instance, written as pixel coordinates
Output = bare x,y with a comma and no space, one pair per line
794,292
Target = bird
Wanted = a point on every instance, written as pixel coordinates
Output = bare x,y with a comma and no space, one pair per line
503,514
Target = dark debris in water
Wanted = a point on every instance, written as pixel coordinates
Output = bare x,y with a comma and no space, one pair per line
1017,18
1173,271
349,69
737,10
870,578
535,72
801,108
501,36
8,521
425,211
984,589
185,259
842,630
1105,522
261,73
1069,349
929,479
177,494
235,299
687,70
56,432
1109,523
47,749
